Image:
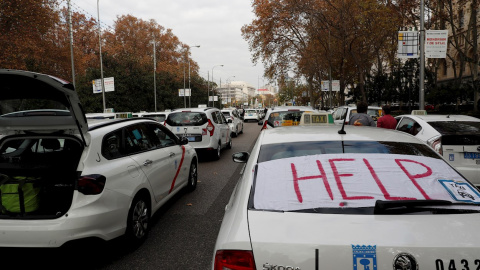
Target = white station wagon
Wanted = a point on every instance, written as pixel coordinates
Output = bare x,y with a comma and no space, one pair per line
311,197
62,179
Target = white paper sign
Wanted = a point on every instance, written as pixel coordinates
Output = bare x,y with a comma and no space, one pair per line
436,42
356,180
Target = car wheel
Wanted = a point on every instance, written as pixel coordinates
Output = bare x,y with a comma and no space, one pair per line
192,176
229,145
216,154
138,220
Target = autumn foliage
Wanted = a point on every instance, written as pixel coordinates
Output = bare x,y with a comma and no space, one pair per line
34,36
313,38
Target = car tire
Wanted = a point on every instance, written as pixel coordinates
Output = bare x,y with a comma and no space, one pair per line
229,145
192,176
216,153
138,220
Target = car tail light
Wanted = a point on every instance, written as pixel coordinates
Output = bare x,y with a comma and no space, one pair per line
234,260
264,125
436,144
204,131
210,127
91,184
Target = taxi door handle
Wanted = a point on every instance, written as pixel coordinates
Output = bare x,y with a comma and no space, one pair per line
147,162
172,154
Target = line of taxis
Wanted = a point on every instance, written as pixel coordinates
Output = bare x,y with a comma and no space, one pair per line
326,196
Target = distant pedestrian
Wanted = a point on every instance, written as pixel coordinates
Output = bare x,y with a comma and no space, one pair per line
387,121
361,118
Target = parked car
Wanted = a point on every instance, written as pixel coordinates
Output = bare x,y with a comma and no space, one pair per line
62,179
284,116
311,198
234,120
374,111
205,128
455,137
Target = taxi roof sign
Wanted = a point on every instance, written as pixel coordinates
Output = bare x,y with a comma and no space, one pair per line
316,118
419,112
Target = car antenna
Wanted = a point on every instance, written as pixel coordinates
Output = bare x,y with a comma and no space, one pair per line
342,131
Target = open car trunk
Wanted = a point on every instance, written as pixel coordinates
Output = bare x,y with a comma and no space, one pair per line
38,174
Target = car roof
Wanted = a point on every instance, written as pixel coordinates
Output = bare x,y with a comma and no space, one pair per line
193,109
285,108
330,133
442,117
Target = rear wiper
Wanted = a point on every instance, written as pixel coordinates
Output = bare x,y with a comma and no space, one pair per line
382,207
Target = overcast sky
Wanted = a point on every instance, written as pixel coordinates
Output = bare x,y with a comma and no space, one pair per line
215,25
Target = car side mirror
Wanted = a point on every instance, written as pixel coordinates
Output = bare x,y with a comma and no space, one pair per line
183,140
240,157
260,122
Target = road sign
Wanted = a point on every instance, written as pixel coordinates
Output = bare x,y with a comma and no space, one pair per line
108,82
407,44
184,92
335,86
436,42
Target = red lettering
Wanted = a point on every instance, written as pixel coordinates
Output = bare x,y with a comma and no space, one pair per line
322,175
381,186
416,176
339,182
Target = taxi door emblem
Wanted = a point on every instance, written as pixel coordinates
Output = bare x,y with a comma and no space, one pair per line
364,257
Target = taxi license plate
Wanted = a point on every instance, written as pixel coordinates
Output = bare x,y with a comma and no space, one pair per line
471,155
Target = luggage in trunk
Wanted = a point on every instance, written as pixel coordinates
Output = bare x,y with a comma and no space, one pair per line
37,176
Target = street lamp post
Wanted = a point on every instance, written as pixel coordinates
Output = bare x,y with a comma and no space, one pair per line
212,86
100,52
154,71
189,104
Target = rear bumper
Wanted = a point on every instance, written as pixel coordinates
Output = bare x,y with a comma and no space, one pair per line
104,218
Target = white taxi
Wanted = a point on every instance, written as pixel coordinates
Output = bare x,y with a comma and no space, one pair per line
317,198
284,116
63,179
455,137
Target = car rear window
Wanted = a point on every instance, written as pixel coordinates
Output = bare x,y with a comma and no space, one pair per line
453,127
227,114
250,111
284,118
187,119
352,177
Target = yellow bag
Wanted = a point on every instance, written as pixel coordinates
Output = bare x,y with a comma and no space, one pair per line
20,194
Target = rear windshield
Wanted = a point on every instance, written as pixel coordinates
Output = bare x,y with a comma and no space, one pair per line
187,119
226,114
17,105
278,151
358,177
250,111
452,127
285,118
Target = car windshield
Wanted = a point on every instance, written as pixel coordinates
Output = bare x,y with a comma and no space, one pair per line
158,117
226,114
250,111
187,119
284,118
372,112
352,177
